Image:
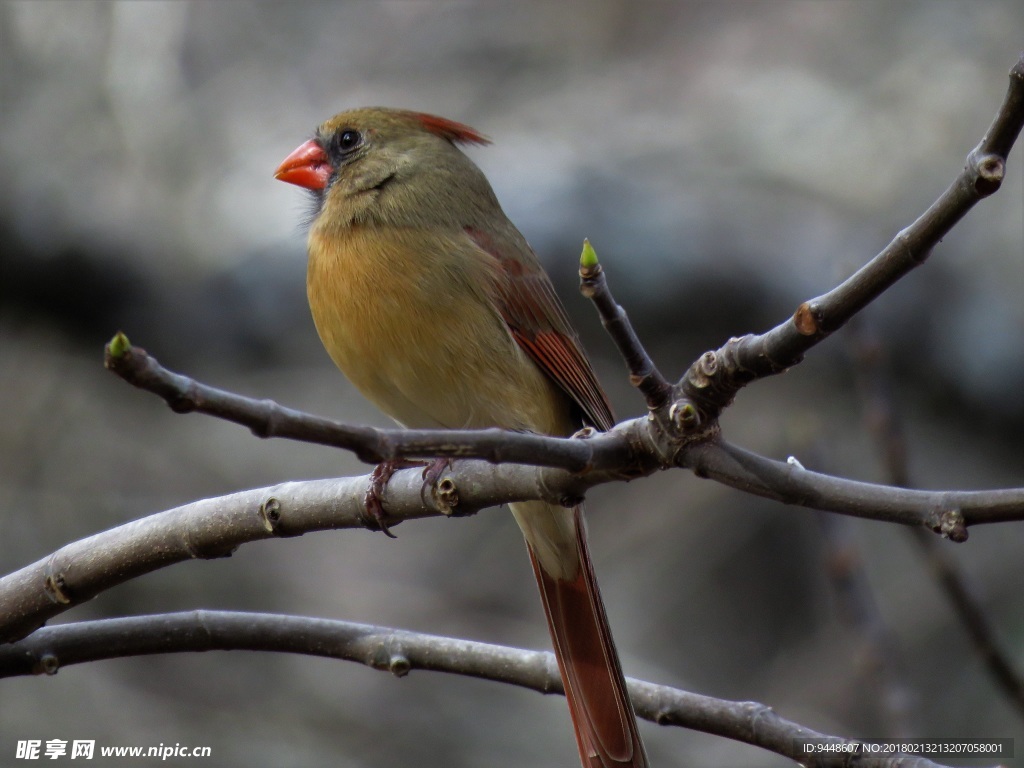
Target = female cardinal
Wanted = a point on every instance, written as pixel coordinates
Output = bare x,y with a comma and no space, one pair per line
433,304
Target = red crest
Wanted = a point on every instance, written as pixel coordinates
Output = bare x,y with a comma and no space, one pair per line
456,133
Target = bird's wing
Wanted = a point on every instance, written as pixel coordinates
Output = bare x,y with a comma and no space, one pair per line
529,305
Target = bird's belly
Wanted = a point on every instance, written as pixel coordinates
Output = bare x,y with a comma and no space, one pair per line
427,361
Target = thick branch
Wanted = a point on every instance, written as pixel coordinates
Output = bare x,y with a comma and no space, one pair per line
714,379
399,652
216,527
212,528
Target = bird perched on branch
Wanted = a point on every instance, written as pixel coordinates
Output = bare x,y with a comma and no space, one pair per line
433,304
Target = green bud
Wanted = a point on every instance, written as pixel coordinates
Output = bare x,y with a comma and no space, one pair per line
588,259
118,346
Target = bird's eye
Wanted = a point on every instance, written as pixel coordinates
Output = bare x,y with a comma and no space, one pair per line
349,139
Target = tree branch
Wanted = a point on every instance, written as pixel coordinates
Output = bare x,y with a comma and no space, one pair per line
399,652
643,373
212,528
879,651
883,422
945,512
265,419
712,381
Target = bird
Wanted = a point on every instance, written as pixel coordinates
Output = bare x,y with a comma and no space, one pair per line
436,308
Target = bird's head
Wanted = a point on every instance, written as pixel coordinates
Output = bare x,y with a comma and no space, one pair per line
391,166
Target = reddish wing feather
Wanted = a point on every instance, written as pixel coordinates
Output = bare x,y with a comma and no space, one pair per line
457,133
539,324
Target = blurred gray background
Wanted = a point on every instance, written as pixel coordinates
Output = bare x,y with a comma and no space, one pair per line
727,160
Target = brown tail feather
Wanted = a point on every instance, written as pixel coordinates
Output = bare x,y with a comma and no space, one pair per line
602,716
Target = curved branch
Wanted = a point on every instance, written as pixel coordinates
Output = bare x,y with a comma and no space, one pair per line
944,512
399,652
713,380
212,528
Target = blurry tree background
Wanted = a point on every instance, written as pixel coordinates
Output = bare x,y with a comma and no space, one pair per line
728,160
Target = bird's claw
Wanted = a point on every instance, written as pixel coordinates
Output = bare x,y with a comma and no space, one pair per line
433,470
380,476
378,482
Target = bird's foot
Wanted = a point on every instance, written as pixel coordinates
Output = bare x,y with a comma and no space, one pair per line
381,475
379,478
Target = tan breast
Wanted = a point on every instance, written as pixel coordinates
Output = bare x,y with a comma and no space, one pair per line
408,316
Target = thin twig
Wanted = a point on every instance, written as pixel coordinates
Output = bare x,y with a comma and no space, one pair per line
399,652
643,374
974,618
880,652
948,513
265,419
884,424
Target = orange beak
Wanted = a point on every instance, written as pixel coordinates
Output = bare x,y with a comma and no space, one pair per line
308,166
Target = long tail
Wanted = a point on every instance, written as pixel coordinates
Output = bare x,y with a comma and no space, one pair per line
602,716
